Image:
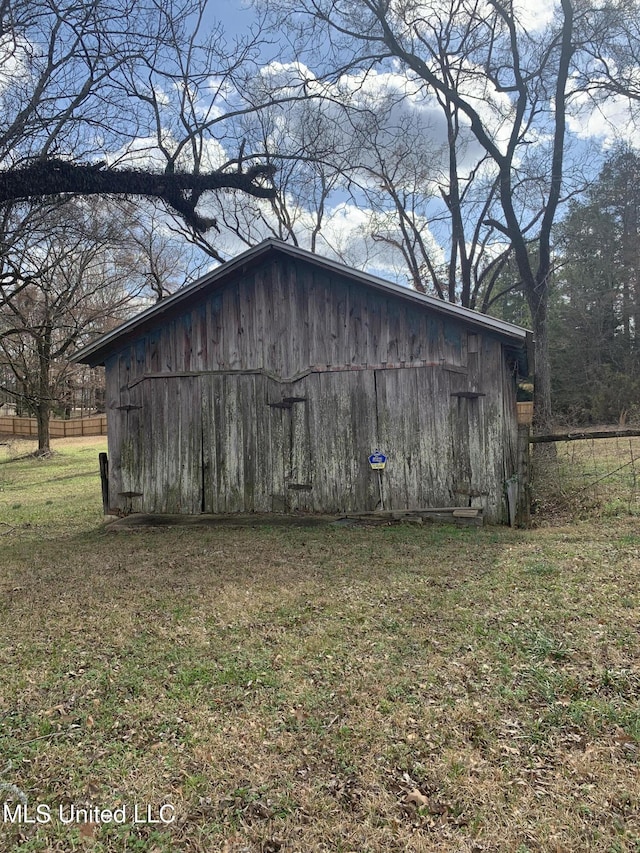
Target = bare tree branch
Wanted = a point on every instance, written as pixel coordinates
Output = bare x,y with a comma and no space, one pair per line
45,178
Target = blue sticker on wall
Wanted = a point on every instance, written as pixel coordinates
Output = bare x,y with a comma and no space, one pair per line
377,460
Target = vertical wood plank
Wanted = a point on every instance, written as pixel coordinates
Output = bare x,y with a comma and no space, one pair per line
299,475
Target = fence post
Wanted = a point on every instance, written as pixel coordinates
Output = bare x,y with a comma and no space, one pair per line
104,480
523,512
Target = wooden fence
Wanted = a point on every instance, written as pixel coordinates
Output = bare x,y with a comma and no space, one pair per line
525,413
57,428
98,425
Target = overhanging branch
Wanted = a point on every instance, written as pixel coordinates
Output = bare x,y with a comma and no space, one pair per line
179,190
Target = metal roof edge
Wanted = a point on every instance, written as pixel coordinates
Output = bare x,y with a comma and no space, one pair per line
253,254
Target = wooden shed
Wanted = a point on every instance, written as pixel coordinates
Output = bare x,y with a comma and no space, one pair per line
266,385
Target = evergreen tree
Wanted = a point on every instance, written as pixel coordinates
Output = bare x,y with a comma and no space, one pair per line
595,311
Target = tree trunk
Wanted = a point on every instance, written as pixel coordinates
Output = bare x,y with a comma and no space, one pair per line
22,410
42,416
542,413
43,406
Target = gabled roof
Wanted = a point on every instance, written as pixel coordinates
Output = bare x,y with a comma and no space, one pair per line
96,352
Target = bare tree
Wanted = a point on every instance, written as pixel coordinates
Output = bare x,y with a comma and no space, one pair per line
162,255
80,276
306,147
400,157
508,84
84,85
431,201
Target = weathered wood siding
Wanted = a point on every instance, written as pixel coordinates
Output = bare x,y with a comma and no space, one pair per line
270,393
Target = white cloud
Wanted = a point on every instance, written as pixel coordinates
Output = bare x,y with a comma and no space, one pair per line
13,60
535,14
145,153
607,121
362,114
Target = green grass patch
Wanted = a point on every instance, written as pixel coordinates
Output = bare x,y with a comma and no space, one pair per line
51,495
284,689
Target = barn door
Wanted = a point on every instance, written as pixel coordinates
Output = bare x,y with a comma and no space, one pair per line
470,451
464,419
290,448
240,470
256,454
169,458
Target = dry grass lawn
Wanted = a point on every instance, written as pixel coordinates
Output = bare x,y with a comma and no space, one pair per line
313,689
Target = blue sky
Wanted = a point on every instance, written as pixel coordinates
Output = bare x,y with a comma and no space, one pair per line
590,127
234,14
